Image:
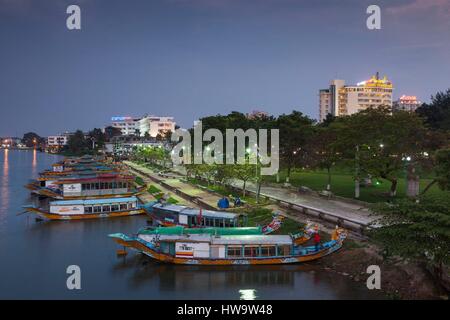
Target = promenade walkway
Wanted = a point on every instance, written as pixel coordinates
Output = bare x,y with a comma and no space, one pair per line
354,216
200,196
354,212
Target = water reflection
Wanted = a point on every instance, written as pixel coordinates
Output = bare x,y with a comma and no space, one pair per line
49,247
248,294
4,186
34,163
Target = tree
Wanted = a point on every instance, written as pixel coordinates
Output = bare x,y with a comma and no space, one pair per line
382,144
98,136
415,230
111,132
295,131
323,149
437,113
77,144
442,170
244,172
31,139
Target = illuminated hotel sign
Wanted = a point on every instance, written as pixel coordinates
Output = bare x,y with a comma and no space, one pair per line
413,98
375,82
121,118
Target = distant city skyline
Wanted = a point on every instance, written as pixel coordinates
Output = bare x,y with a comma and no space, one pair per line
191,58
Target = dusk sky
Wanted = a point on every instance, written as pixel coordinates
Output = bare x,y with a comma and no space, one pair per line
192,58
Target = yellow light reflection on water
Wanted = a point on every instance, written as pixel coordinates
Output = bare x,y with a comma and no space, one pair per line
34,163
4,187
247,294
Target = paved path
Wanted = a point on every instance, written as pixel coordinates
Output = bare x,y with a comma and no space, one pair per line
337,208
205,196
147,197
347,210
328,209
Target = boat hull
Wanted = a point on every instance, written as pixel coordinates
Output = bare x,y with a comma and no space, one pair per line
165,258
53,216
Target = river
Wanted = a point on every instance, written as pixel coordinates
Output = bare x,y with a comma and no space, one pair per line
34,257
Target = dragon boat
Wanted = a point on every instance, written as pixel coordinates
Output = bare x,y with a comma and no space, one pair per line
224,246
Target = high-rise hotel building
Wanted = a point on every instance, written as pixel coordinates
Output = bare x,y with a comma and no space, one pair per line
151,124
340,99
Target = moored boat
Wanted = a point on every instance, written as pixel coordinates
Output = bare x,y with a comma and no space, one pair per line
96,186
89,209
168,215
223,246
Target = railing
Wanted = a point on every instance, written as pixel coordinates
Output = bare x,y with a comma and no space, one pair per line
345,222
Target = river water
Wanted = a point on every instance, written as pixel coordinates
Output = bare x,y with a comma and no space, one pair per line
34,257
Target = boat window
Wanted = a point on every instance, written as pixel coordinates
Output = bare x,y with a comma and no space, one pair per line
110,185
106,208
119,184
97,209
97,186
114,185
123,206
115,207
234,251
102,185
88,209
268,251
284,250
251,251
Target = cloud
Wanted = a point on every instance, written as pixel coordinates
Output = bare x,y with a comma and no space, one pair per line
440,7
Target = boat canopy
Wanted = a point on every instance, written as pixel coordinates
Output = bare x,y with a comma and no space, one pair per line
92,201
195,212
180,230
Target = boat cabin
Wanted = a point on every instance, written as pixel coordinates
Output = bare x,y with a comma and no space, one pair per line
209,246
97,206
191,217
102,184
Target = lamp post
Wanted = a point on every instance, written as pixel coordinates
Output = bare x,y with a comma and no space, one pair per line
257,176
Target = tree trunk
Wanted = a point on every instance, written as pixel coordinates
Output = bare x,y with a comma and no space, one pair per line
428,186
393,191
288,175
329,179
243,188
357,172
258,191
356,188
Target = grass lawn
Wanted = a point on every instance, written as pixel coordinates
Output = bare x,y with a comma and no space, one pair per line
263,216
224,191
140,181
342,184
153,189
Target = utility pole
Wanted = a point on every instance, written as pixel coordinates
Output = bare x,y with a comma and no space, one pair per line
357,172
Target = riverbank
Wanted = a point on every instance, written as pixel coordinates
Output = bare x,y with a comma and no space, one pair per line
399,280
50,247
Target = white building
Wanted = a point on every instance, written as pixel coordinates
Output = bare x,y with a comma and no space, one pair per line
58,141
406,103
127,125
156,125
339,99
152,124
